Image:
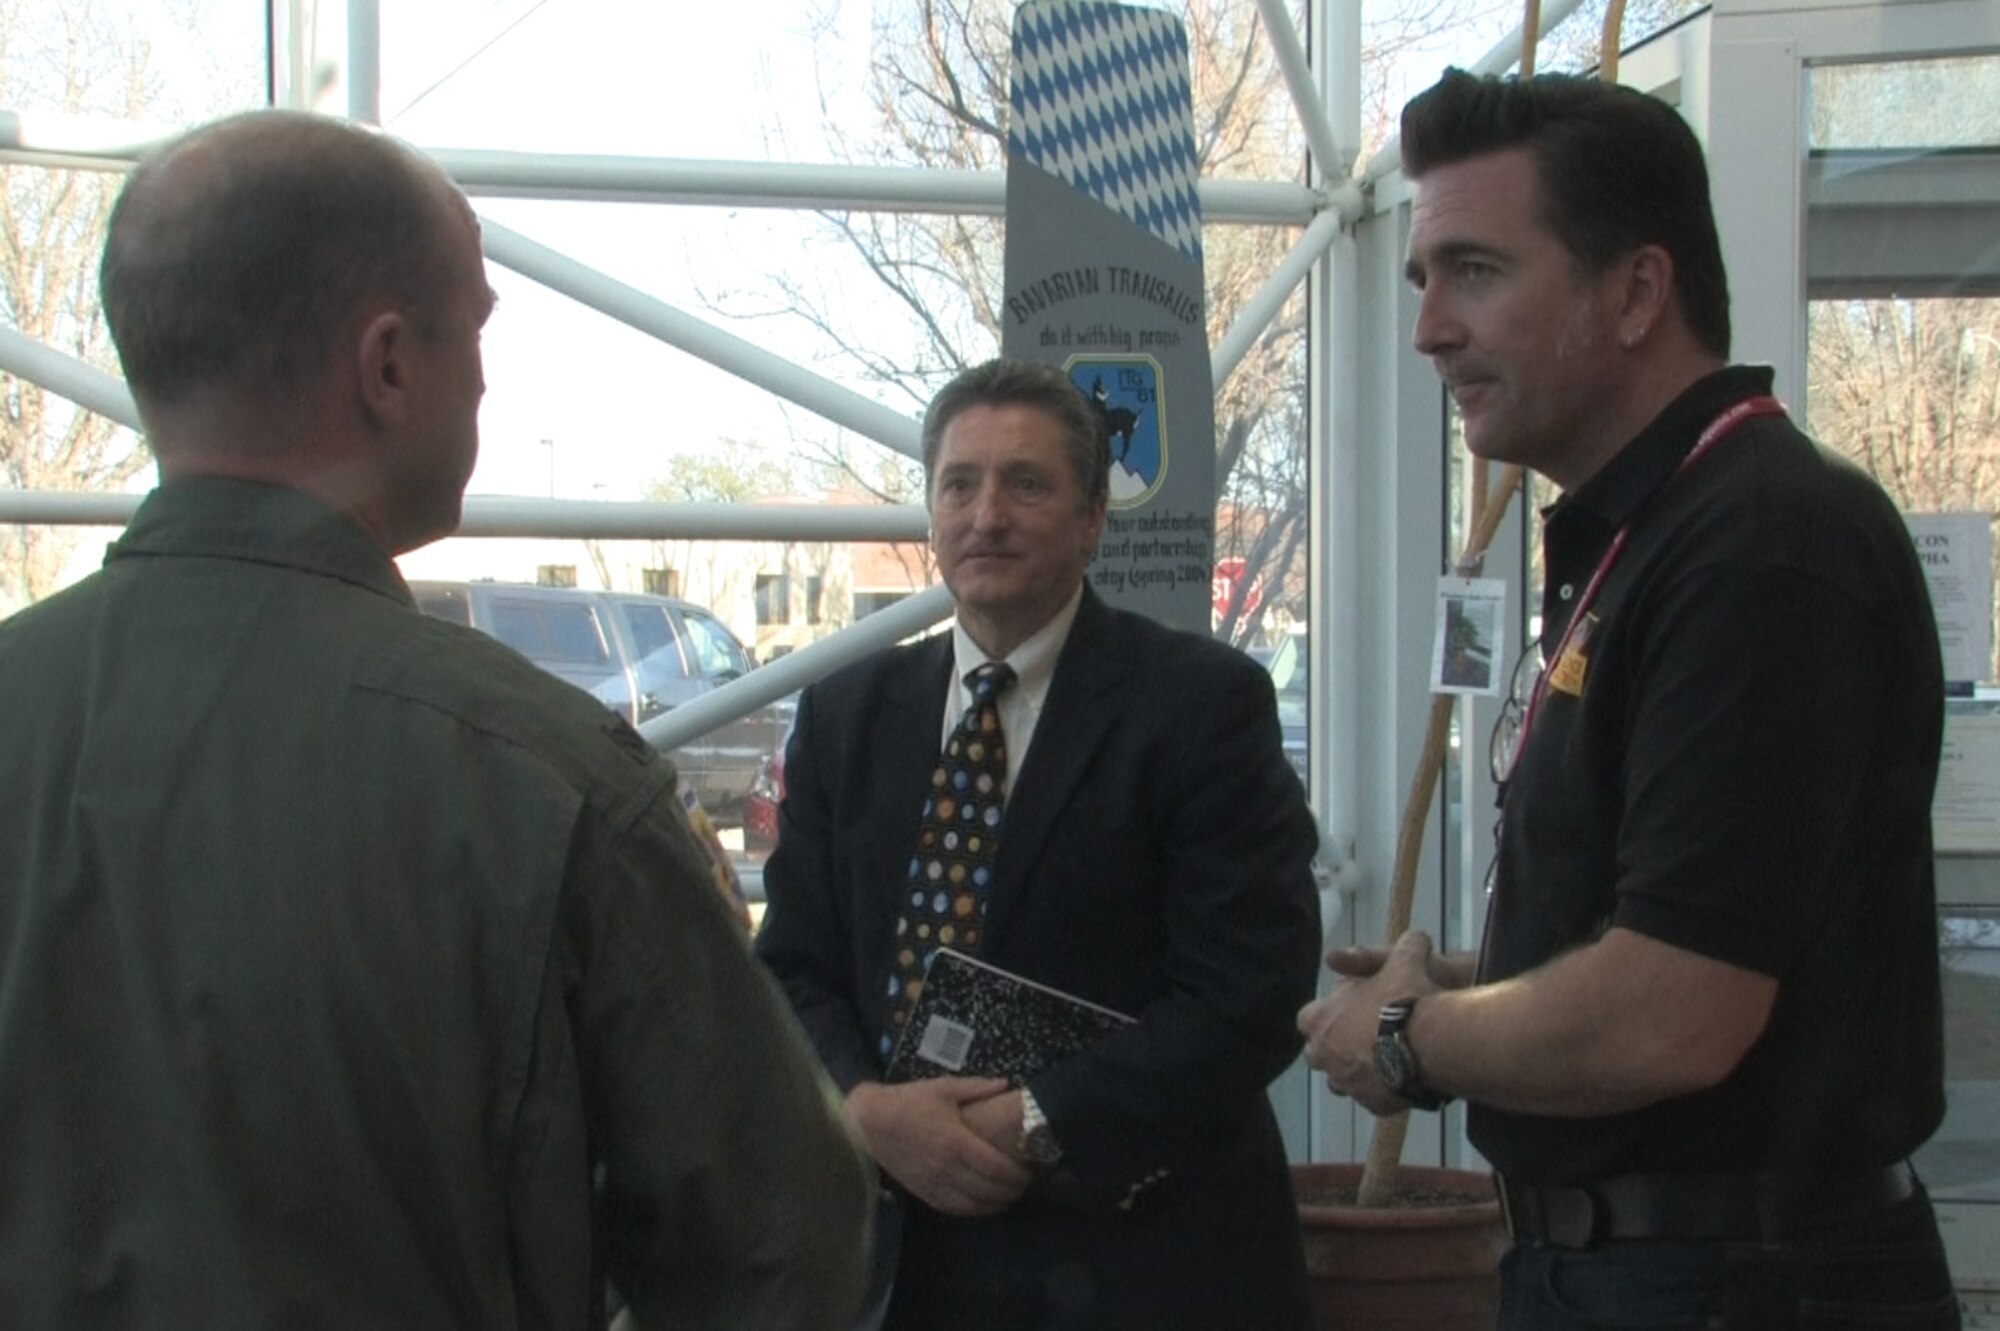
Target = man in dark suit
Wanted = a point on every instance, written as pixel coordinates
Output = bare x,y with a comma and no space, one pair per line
1153,858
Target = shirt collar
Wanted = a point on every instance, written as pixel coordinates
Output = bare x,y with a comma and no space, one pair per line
1643,465
1034,661
222,518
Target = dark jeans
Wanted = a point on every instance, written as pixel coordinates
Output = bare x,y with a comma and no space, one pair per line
1885,1273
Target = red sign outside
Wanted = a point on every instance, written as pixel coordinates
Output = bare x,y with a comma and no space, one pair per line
1229,571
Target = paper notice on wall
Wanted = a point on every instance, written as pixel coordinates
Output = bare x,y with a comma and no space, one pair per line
1965,815
1469,652
1956,550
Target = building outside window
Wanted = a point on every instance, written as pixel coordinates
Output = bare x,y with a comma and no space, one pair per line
773,599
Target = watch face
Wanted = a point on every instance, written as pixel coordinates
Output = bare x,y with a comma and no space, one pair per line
1393,1066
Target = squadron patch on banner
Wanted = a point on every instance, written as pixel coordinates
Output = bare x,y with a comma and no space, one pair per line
1128,395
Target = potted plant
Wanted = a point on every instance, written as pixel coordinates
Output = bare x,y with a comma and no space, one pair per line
1425,1260
1389,1246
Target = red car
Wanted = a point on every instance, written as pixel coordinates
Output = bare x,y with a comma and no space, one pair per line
760,806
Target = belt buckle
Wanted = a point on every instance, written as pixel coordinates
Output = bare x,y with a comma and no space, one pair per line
1557,1215
1572,1217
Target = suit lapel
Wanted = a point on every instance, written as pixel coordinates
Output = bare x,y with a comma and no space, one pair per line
1075,716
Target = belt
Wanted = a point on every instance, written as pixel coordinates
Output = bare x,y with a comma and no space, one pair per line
1698,1207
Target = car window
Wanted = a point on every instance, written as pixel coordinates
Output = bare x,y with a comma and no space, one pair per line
715,647
656,668
651,630
551,631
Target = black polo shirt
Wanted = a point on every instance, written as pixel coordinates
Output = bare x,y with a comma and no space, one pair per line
1744,770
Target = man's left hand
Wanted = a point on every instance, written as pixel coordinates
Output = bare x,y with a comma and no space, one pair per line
1340,1029
996,1120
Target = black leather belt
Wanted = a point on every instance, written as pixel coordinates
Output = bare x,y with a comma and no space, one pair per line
1697,1206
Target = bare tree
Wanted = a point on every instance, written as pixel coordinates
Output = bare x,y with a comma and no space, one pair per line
77,60
85,58
732,472
1910,389
1576,44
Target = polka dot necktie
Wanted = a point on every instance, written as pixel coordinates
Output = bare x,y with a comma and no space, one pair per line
945,903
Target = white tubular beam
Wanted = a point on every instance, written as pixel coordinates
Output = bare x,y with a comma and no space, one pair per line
561,519
88,143
113,145
744,359
66,508
821,187
79,381
1335,159
1338,489
497,515
797,669
728,184
1263,307
364,61
1336,30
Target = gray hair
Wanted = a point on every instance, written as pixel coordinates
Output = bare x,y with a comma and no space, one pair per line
1004,382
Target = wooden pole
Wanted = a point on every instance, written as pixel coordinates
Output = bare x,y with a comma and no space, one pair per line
1385,1146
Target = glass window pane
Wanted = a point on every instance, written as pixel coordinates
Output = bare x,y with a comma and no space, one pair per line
1903,351
1907,104
1962,1162
550,631
650,628
161,63
719,653
629,77
1903,377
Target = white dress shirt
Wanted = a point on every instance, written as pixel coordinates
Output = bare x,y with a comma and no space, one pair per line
1034,663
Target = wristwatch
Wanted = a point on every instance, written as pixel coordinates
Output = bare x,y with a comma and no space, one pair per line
1038,1141
1396,1061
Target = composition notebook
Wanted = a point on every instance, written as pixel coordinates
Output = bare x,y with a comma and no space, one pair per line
976,1020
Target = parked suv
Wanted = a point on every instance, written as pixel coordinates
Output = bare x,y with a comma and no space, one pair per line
639,655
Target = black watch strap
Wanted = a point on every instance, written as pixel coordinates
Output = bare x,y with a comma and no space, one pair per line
1396,1061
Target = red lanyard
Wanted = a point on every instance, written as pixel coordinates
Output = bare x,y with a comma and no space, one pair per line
1762,405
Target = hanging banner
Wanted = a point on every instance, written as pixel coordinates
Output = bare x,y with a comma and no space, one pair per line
1103,277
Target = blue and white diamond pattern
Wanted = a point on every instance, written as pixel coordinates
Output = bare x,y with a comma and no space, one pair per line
1101,100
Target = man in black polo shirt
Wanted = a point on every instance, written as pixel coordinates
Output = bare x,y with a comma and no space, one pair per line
1705,1032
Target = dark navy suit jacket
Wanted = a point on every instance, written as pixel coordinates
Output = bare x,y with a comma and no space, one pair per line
1154,858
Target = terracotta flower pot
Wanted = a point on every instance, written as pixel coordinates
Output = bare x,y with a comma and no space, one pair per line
1430,1266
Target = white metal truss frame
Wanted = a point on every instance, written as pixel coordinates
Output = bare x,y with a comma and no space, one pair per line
1322,212
1321,208
1346,352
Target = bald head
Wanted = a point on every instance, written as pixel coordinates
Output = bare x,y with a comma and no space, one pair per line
239,255
298,302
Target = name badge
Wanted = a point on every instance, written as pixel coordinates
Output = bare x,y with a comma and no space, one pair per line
1567,674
